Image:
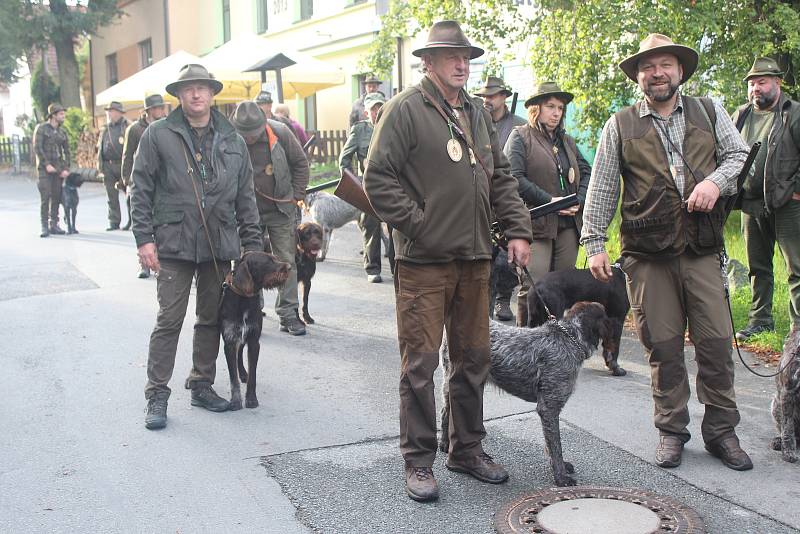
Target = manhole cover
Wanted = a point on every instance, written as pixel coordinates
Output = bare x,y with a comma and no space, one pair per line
594,510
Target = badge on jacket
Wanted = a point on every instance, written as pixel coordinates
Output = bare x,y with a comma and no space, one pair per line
121,140
454,150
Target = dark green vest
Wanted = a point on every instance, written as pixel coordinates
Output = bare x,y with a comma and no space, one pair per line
655,222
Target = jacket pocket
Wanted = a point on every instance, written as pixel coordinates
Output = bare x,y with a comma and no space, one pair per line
168,231
228,244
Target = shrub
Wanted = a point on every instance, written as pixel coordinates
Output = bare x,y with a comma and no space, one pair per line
75,122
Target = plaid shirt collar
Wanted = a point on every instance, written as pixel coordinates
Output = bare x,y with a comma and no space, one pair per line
645,109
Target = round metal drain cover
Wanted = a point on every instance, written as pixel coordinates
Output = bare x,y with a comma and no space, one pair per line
594,510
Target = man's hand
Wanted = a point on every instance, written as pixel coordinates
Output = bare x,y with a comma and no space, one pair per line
519,252
49,168
600,267
703,197
569,211
795,196
148,256
64,173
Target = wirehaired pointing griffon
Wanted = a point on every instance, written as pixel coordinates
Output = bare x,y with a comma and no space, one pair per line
541,365
786,402
241,320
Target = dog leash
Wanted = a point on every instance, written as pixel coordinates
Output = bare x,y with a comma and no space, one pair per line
551,319
723,265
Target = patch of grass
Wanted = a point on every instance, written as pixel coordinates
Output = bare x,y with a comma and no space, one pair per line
767,342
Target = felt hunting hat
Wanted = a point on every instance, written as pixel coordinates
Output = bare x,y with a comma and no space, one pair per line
264,97
372,79
494,86
248,119
194,73
152,101
447,34
656,43
54,108
764,66
547,89
115,106
370,99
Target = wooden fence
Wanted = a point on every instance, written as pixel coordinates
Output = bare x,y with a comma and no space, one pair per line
326,146
7,151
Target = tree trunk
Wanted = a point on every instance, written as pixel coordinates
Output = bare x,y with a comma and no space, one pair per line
67,71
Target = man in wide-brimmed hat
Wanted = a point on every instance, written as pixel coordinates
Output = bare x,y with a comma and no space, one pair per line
109,159
677,155
435,174
280,177
371,85
770,198
154,109
52,160
193,209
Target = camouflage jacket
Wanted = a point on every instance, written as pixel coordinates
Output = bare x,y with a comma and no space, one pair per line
51,147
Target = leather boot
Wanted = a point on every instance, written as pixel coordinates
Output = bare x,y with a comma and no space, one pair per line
730,452
480,466
45,231
668,452
55,229
420,484
205,397
156,413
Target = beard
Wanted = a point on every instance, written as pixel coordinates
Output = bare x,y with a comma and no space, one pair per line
662,93
765,100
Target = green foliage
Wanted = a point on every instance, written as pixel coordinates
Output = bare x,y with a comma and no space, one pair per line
75,122
44,90
579,44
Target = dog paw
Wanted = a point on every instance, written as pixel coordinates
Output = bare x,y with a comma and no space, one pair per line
251,402
308,319
243,377
776,444
789,456
566,480
235,405
569,467
619,371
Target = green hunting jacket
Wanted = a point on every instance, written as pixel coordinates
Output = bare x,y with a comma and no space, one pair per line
357,145
163,202
52,148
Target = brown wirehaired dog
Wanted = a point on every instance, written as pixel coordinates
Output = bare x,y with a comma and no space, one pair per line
310,237
786,403
240,318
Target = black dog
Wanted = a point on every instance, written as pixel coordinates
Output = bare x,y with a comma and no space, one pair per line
240,318
70,199
561,289
309,244
540,365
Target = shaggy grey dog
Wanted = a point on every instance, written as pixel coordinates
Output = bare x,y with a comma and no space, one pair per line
331,212
540,365
786,402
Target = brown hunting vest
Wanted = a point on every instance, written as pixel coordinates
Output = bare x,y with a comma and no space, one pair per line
655,222
541,169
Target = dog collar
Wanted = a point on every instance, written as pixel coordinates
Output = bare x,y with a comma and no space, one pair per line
228,284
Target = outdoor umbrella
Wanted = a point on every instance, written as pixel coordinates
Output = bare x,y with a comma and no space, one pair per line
149,81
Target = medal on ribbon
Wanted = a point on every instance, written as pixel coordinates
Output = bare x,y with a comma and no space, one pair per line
268,169
453,146
571,175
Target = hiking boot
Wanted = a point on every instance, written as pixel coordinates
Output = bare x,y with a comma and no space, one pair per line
45,231
55,229
144,272
374,278
294,326
156,412
668,452
112,227
420,484
751,330
205,397
480,466
731,454
502,311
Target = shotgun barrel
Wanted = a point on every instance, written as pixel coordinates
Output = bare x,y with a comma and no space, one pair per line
322,186
539,211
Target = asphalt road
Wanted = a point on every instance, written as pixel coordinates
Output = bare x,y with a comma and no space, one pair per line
321,453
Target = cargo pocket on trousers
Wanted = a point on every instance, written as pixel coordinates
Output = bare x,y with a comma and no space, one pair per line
165,287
